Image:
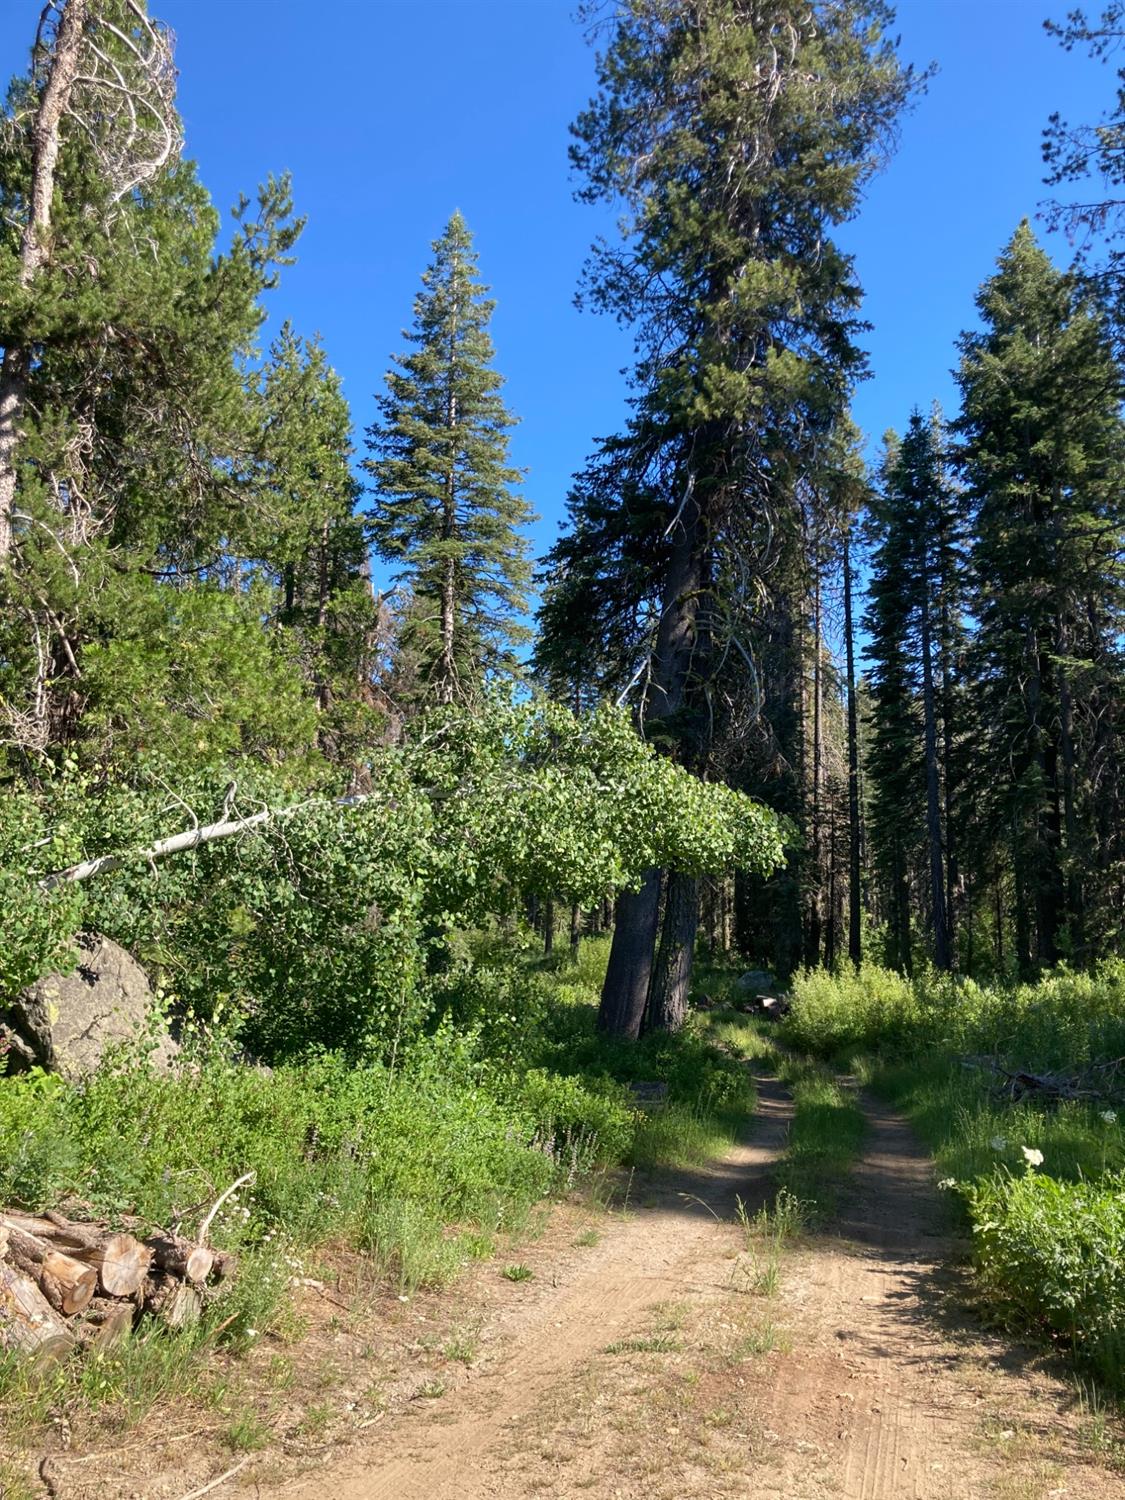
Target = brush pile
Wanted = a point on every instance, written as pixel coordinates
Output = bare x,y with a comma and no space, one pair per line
67,1282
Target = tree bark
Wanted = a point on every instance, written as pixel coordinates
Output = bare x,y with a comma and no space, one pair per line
855,930
671,979
629,971
942,957
46,139
632,952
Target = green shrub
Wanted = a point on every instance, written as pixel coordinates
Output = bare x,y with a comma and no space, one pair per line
1049,1255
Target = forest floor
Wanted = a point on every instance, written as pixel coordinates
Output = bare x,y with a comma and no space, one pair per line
650,1353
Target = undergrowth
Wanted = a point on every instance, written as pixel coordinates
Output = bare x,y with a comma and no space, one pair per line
423,1163
1041,1181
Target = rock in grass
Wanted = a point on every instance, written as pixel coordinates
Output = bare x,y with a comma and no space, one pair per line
66,1022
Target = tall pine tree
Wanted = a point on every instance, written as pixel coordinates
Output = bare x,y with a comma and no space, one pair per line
446,514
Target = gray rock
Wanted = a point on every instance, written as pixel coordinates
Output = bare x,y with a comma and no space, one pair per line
66,1022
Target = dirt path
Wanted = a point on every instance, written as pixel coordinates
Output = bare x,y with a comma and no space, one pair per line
656,1364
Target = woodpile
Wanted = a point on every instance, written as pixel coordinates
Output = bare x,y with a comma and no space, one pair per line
66,1282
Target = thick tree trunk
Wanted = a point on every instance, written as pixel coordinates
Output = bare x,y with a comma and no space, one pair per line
855,931
629,972
671,979
632,952
46,139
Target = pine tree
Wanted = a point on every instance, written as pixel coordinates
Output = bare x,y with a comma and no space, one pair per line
719,142
1043,457
445,511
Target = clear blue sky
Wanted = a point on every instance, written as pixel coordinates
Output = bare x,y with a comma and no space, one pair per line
391,113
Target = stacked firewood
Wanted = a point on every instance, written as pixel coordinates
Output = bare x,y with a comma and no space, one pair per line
67,1281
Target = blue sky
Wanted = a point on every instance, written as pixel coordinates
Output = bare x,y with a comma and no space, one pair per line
391,113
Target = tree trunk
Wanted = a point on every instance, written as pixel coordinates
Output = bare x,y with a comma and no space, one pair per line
671,979
632,952
46,138
629,971
855,931
575,931
942,958
548,926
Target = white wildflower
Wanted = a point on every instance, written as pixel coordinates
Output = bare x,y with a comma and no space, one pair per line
999,1143
1033,1157
251,1333
946,1183
1109,1115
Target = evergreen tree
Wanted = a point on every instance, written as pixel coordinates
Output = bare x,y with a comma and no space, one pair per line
445,512
734,158
127,424
1044,461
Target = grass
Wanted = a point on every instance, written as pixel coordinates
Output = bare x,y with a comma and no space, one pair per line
517,1273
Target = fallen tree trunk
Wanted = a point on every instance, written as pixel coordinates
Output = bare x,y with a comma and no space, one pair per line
177,843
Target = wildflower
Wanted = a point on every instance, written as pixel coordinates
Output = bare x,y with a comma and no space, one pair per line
251,1333
1033,1157
999,1143
946,1183
1109,1115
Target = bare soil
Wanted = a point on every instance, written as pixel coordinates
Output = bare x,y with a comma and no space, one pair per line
651,1355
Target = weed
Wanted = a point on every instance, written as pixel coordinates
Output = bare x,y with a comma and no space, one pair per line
587,1239
518,1272
429,1390
247,1433
463,1346
656,1343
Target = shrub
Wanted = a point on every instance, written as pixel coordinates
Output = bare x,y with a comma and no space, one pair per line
1049,1255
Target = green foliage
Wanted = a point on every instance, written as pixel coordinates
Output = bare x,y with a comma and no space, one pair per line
1047,1242
1049,1256
445,512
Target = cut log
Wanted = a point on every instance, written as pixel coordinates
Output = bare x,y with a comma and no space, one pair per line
106,1322
176,1303
66,1283
120,1260
181,1257
122,1263
28,1323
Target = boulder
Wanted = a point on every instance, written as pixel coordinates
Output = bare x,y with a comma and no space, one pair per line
66,1022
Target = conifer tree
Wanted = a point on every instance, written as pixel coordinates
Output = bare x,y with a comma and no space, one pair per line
445,511
127,423
1044,462
734,156
914,619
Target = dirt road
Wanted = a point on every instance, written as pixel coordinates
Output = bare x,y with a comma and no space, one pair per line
661,1362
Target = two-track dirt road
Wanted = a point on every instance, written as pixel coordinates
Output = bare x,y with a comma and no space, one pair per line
655,1364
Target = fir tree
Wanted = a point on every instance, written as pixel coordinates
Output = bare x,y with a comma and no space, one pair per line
1044,461
445,511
